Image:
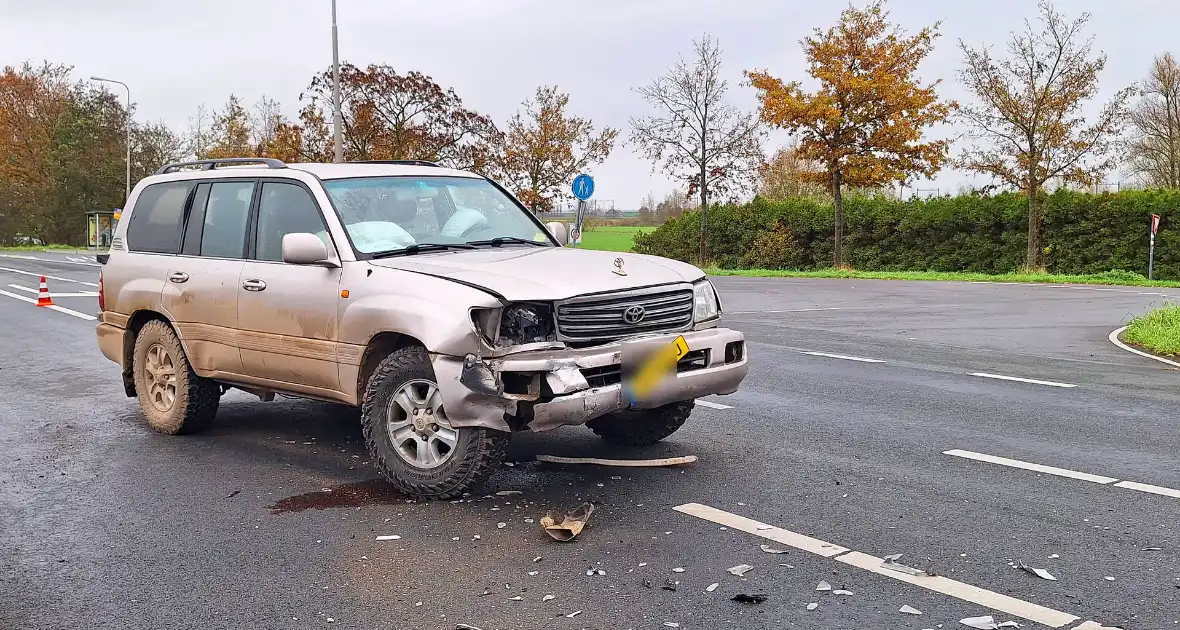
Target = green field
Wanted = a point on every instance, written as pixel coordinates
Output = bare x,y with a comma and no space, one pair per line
611,239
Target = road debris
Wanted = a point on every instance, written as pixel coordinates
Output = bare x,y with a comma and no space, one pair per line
533,572
891,562
574,614
233,494
515,599
463,626
841,591
670,585
678,570
1152,549
747,598
538,558
769,549
570,526
638,463
812,606
987,622
763,528
740,569
643,564
823,586
595,572
1041,573
548,598
712,587
508,493
1109,578
671,624
476,537
1054,556
501,525
390,537
909,610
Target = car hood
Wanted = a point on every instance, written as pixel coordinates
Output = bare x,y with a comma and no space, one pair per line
550,273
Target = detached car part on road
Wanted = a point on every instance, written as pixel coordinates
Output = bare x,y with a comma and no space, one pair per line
428,297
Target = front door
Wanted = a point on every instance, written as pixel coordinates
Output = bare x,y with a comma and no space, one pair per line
200,292
287,323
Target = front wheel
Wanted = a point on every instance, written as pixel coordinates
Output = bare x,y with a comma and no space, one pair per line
642,427
412,442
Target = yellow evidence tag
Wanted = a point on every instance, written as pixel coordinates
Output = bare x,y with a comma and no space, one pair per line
658,366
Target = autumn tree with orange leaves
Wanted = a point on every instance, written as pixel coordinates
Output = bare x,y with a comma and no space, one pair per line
865,124
1027,117
545,147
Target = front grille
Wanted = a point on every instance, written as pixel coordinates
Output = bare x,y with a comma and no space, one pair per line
601,318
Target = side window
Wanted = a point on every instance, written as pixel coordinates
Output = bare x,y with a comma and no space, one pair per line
286,209
196,222
157,218
223,234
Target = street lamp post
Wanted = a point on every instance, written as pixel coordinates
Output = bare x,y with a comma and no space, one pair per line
128,123
336,131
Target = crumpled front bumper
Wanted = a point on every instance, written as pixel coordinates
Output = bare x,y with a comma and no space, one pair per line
546,389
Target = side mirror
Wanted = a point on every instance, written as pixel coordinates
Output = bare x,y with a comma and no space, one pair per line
304,248
558,230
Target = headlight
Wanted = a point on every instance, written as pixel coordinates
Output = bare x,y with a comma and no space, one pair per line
706,305
516,324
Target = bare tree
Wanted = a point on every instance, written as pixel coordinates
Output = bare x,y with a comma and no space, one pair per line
696,136
197,134
264,124
1154,150
1027,119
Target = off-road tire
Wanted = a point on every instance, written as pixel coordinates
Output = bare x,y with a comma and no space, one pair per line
196,399
642,428
478,452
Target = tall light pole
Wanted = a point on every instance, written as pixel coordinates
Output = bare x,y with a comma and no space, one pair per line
339,135
127,195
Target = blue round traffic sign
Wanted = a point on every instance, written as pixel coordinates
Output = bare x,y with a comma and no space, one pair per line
583,186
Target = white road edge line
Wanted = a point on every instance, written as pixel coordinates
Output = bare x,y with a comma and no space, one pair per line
53,260
1022,380
843,356
1015,463
1063,472
1114,338
54,295
59,309
38,275
712,405
1012,606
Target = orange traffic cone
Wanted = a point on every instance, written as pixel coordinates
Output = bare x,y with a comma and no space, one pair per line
43,298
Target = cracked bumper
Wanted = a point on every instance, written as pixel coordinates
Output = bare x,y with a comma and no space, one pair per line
547,389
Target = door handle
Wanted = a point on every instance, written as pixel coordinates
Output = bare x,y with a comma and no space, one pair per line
178,277
253,284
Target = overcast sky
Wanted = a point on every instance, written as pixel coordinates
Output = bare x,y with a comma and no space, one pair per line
177,55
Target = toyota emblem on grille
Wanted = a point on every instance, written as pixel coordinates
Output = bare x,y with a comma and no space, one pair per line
634,314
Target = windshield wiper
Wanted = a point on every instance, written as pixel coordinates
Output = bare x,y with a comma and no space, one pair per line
418,248
500,240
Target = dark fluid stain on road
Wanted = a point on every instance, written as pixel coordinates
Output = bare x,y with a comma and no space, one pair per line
348,495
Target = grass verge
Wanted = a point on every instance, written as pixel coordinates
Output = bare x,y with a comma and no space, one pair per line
40,248
1157,331
1122,278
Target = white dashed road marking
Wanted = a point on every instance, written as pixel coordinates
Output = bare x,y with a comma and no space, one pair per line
59,309
1063,472
38,275
1022,380
845,357
712,405
959,590
71,260
54,295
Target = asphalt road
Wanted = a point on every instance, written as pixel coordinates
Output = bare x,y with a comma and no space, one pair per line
104,524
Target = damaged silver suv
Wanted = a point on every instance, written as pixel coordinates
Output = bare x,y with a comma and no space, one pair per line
428,297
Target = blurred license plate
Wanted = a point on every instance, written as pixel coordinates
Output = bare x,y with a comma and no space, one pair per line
646,366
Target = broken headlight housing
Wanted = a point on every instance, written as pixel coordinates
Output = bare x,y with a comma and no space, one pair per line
706,304
516,324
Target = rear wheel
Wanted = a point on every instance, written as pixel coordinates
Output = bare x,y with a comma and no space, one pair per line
173,398
642,427
410,438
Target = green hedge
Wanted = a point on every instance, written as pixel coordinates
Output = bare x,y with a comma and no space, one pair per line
1084,234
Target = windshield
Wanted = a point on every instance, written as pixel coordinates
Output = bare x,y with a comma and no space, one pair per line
383,214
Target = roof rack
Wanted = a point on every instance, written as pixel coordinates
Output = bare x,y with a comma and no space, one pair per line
208,165
402,162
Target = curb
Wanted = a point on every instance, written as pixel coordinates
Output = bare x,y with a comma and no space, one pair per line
1114,338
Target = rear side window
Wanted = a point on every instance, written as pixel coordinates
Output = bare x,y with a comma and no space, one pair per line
223,234
158,217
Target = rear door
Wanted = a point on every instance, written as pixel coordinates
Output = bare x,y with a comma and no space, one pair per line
287,314
201,294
